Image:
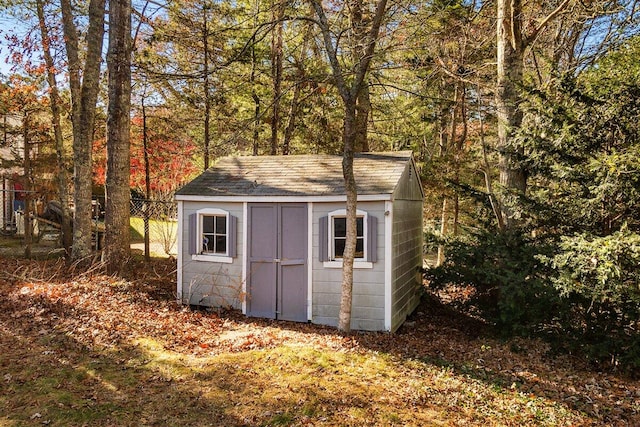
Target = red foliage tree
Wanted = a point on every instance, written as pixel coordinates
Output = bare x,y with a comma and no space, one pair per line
171,159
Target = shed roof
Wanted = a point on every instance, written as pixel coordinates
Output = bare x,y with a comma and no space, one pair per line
303,175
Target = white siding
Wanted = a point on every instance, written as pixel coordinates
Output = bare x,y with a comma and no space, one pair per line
368,283
406,286
206,283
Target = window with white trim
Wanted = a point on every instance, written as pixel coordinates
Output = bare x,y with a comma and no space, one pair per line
212,235
333,236
339,236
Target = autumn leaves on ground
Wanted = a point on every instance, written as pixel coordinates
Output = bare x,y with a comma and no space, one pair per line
92,350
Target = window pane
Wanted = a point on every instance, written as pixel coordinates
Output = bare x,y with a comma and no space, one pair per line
360,247
338,247
221,244
360,226
340,227
207,224
221,225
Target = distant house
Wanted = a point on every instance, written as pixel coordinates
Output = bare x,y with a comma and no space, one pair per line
11,164
266,235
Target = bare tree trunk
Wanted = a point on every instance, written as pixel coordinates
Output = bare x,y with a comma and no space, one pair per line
513,177
84,98
61,173
147,182
276,69
495,206
207,95
291,125
346,296
252,80
27,186
443,148
363,108
461,100
117,240
511,45
256,103
349,94
444,229
359,24
72,45
297,90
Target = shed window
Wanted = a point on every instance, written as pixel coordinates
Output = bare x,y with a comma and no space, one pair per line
212,235
333,232
339,224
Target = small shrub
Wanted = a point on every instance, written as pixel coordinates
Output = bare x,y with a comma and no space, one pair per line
511,290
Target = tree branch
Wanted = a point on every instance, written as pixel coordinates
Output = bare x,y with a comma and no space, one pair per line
363,67
532,37
331,50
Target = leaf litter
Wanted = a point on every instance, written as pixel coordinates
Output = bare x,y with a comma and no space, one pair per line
440,368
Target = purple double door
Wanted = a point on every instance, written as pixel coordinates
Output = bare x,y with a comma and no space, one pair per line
277,261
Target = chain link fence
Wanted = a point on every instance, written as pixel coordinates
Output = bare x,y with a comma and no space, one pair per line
154,226
154,223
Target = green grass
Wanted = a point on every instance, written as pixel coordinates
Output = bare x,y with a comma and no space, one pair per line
148,384
160,234
156,229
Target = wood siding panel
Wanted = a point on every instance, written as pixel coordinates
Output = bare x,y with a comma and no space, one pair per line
409,187
407,249
368,290
211,284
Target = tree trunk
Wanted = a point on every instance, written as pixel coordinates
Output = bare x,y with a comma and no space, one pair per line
117,247
256,101
461,102
252,81
276,69
443,148
349,138
147,182
510,50
349,94
61,173
293,113
511,45
27,187
363,109
72,45
297,90
359,24
207,95
486,167
84,99
444,229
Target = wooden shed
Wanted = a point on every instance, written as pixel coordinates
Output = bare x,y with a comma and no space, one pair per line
266,235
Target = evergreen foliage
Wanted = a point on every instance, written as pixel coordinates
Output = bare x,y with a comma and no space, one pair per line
570,272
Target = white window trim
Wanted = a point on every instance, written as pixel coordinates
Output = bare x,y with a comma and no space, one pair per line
212,257
357,262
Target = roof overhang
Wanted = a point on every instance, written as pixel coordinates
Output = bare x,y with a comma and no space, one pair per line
282,199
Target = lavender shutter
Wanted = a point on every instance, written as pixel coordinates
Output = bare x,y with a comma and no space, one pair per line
372,238
233,236
322,239
193,234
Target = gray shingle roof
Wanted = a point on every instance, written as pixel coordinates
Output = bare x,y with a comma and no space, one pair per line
303,175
